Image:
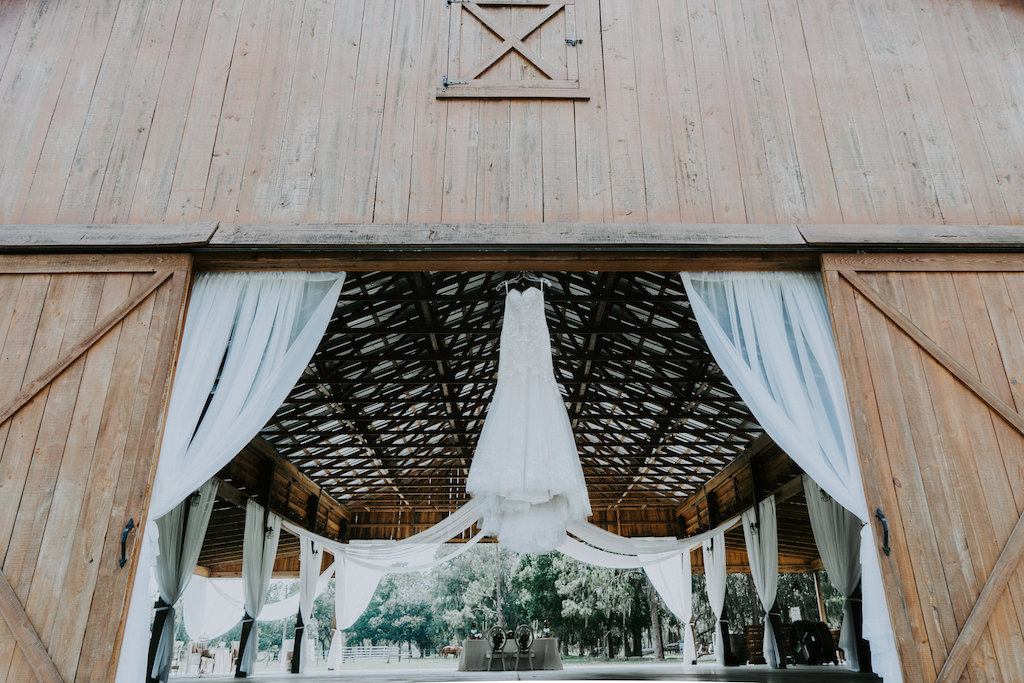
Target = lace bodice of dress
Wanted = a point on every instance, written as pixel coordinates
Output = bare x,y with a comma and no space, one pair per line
525,346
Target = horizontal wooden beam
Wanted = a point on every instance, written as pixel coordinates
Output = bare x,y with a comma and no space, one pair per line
773,244
106,235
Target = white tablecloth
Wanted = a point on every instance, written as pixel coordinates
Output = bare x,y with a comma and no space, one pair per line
474,656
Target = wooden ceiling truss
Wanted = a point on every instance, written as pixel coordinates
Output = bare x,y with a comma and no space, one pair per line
384,421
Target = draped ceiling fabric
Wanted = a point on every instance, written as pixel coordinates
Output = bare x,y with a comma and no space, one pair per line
772,336
247,339
760,531
525,475
714,578
259,548
837,535
182,531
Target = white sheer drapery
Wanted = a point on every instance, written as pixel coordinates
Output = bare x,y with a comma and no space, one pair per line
714,579
416,553
359,566
213,606
259,548
247,338
665,560
310,559
760,531
671,577
654,548
837,535
771,334
182,531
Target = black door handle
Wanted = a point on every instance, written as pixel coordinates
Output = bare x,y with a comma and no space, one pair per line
885,531
124,541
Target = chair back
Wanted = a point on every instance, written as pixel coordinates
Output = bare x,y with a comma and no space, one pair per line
497,637
524,637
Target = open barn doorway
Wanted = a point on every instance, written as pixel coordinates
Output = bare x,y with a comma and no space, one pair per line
375,439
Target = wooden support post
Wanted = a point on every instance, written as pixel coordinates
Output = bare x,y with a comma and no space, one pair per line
247,624
774,622
159,621
863,647
300,631
729,657
821,599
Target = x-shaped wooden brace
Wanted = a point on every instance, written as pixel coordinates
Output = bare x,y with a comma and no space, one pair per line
511,42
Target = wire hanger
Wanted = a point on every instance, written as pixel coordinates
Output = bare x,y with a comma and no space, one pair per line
522,276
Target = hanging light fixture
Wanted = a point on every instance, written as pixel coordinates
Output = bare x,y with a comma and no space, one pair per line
526,476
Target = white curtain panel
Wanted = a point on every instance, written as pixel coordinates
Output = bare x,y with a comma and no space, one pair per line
259,548
182,531
672,577
262,328
760,531
310,558
837,535
771,334
714,579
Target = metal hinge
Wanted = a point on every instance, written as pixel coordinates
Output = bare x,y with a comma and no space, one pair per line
445,82
573,42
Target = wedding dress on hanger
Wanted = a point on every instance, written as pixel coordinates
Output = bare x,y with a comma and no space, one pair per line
526,476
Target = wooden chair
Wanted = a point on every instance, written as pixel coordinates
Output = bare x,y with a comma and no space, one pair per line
497,638
524,641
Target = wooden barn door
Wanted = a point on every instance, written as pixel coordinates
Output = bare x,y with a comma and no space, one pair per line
86,348
932,350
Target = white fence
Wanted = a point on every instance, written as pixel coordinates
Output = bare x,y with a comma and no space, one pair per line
384,653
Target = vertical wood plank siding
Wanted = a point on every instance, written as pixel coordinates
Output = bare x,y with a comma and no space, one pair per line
289,111
937,457
76,461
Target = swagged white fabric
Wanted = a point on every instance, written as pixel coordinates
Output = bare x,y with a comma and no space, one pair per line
310,559
412,554
213,606
359,566
182,531
259,548
837,535
354,586
672,577
760,531
771,334
526,475
665,560
714,578
263,328
597,557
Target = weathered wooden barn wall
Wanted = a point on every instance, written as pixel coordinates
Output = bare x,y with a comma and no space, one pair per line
760,111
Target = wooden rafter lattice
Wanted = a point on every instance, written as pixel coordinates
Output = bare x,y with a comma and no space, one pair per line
388,412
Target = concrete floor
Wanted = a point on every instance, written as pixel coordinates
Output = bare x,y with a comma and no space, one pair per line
604,672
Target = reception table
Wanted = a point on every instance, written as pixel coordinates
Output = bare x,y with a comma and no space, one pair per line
545,655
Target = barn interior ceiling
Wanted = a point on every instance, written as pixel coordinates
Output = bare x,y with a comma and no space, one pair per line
385,418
